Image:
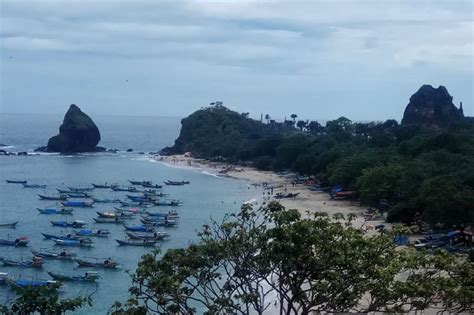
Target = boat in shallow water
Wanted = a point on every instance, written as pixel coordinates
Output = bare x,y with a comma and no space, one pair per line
53,197
33,186
107,263
18,242
35,262
11,181
90,276
55,211
157,236
95,233
64,254
136,242
73,224
8,225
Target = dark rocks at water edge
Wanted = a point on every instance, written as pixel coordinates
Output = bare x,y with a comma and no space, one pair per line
78,133
433,108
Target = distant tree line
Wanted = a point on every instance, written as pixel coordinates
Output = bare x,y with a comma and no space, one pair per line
413,171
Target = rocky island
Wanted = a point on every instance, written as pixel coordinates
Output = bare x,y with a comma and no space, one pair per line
77,134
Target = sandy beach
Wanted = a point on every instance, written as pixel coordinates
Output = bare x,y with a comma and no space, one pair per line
307,201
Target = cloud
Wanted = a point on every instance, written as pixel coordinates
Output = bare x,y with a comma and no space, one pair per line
254,43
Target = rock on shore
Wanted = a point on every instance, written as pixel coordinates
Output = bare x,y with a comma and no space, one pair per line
432,107
78,133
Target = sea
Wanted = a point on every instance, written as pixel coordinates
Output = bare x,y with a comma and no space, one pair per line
207,197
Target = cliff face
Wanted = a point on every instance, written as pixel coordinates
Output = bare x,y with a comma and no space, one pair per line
78,133
432,107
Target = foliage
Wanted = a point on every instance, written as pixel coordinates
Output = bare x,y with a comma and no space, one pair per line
43,300
274,260
382,162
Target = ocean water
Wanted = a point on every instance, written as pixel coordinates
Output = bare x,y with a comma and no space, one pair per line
207,196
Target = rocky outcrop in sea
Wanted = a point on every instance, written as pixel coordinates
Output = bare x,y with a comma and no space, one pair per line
77,134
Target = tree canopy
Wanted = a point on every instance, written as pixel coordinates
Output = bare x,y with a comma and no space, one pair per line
272,259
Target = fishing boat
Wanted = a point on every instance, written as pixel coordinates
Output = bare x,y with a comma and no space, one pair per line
8,225
90,276
133,210
78,204
104,185
140,183
135,204
171,203
129,189
158,222
10,181
156,186
141,198
118,214
50,197
73,224
60,237
25,185
18,242
75,243
109,220
25,283
158,236
108,263
139,228
79,195
174,183
136,242
55,211
170,215
99,200
35,262
95,233
64,254
80,189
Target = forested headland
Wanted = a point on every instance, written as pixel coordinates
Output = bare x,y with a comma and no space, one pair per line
421,168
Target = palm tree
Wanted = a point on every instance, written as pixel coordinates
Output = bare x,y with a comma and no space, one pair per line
293,116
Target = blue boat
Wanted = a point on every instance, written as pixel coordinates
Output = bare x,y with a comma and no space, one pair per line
55,211
79,204
24,283
139,228
78,243
73,224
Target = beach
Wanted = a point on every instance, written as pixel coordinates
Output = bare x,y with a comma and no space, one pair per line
306,202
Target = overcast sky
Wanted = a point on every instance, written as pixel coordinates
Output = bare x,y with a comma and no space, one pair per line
318,59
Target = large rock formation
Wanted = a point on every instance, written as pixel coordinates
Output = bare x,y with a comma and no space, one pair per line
78,133
432,107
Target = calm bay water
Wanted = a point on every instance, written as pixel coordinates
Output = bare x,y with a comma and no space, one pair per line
207,196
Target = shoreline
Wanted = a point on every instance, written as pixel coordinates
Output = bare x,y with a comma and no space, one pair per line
307,202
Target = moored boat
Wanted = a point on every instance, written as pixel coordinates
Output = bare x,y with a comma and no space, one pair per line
59,237
95,233
174,183
104,185
109,220
35,262
79,204
55,211
139,228
76,243
11,181
108,263
156,186
49,254
8,225
25,283
171,203
136,242
80,189
90,276
18,242
158,236
73,224
105,200
129,189
61,197
25,185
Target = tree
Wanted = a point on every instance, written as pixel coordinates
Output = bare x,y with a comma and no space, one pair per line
314,127
267,118
293,116
301,124
43,300
257,258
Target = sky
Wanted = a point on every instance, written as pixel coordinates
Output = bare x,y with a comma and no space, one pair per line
318,59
